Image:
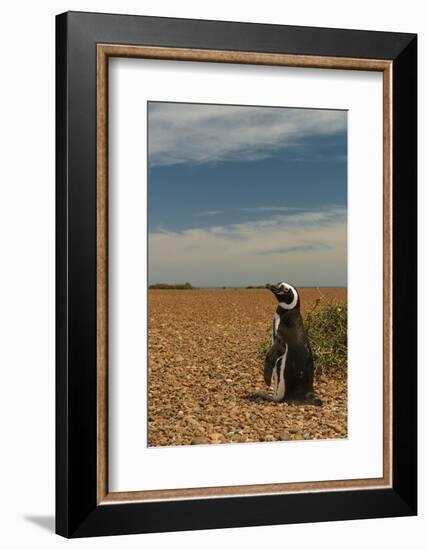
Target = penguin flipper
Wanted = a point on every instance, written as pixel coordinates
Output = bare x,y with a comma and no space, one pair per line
272,357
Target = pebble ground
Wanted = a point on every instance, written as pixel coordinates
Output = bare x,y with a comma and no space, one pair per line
205,359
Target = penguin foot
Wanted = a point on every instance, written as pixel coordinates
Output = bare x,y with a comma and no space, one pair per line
312,399
258,396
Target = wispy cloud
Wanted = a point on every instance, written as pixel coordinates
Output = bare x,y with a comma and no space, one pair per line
259,210
296,248
308,248
208,213
190,133
273,209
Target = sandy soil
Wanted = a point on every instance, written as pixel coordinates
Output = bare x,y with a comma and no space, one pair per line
205,359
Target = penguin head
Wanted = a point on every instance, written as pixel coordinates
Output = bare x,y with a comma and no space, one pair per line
287,295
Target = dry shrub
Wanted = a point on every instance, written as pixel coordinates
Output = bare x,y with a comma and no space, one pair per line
327,328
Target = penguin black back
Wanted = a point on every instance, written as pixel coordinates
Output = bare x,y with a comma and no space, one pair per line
289,361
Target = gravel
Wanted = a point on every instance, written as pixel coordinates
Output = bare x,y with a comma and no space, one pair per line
205,359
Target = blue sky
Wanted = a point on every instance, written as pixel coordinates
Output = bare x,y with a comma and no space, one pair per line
241,196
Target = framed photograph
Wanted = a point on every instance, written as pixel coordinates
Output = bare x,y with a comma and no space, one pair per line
236,274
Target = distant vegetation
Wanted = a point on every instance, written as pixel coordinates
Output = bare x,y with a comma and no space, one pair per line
176,286
260,286
327,328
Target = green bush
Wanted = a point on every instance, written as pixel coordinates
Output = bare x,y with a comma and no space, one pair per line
264,346
327,329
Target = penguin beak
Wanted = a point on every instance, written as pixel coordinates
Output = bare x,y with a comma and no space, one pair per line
272,288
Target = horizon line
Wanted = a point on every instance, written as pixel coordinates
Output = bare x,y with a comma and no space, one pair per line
255,286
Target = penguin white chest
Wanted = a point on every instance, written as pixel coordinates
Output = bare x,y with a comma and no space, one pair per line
279,377
276,321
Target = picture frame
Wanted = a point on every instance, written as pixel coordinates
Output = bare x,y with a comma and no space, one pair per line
84,44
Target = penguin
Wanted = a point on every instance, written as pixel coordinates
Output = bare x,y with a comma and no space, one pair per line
289,361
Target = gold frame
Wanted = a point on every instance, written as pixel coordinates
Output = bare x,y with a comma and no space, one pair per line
104,51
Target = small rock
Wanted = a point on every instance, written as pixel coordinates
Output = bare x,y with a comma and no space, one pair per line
284,436
199,441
